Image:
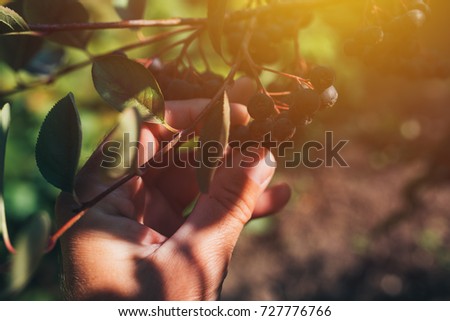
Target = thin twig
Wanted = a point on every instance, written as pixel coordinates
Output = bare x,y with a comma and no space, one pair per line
54,238
172,22
186,44
201,51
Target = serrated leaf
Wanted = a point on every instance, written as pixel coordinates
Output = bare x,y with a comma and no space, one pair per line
130,9
213,142
59,12
59,144
216,19
11,21
18,50
120,150
30,247
123,82
5,117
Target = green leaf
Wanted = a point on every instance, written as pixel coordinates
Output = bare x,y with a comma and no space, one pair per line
5,117
191,206
11,21
59,144
213,142
216,19
30,247
18,50
120,150
123,82
59,12
130,9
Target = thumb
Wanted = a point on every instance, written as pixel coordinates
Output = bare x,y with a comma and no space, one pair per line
211,231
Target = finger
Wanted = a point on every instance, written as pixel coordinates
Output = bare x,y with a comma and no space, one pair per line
211,231
242,90
272,200
180,114
183,192
179,184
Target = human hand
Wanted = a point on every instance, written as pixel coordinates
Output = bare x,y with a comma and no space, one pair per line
135,244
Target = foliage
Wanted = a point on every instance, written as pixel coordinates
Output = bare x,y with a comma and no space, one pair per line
45,41
59,144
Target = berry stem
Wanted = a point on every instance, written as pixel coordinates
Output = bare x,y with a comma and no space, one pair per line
5,234
298,78
202,54
248,58
165,49
54,238
186,44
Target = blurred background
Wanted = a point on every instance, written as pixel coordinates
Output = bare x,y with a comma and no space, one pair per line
378,229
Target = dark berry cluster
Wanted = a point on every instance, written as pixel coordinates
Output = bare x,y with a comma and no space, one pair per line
186,84
392,41
270,31
299,107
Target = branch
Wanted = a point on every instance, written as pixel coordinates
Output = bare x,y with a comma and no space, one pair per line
126,24
176,22
64,71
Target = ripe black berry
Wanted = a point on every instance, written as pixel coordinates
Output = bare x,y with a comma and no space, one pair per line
261,106
163,81
275,33
328,98
259,39
179,89
370,36
417,17
322,78
259,128
304,103
240,133
209,75
421,5
211,87
283,129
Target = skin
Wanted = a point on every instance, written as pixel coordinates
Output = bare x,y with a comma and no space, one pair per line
135,244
